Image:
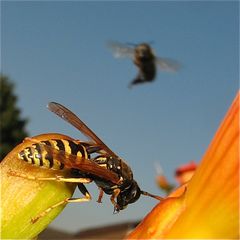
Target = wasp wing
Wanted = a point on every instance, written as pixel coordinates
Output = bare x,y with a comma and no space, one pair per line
121,50
72,161
74,120
167,64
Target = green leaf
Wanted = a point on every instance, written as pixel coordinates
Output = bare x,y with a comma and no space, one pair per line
23,199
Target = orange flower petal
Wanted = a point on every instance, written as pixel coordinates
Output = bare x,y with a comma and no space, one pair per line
161,218
212,198
210,207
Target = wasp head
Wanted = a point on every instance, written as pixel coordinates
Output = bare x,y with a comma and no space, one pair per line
127,196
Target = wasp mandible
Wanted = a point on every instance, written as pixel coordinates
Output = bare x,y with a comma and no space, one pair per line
145,60
86,162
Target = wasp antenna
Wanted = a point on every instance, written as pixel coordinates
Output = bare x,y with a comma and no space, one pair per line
151,195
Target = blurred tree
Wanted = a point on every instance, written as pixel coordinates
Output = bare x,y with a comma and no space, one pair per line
12,127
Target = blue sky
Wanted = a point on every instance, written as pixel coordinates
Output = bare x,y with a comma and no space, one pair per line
56,51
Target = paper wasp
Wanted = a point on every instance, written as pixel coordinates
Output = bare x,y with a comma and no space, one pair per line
145,60
86,162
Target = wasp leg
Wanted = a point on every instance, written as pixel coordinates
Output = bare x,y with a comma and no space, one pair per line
84,191
57,178
87,198
112,198
100,195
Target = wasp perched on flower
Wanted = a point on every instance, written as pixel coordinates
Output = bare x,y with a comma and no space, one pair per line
145,60
111,174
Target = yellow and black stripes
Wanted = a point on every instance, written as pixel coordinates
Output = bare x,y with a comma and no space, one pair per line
102,161
45,153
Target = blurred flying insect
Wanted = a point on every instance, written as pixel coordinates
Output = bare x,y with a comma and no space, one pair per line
86,162
145,60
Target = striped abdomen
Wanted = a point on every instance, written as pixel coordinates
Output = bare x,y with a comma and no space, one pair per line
41,154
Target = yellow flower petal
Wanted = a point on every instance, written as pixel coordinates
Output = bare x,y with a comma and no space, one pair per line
209,209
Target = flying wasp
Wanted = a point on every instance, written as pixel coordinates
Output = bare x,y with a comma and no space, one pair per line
86,162
145,60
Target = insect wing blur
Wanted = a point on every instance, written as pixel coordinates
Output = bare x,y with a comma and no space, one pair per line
145,60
